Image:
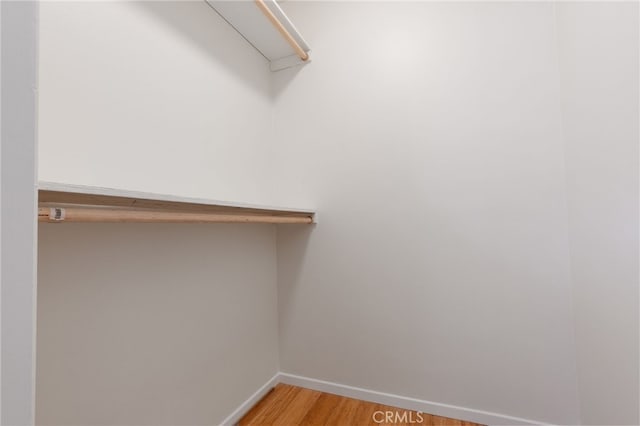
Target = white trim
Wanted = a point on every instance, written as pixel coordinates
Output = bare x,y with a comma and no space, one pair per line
436,408
407,403
18,140
237,414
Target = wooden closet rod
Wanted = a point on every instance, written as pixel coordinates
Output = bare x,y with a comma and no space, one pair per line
82,214
282,30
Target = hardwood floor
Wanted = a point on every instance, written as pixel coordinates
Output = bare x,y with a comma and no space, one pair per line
288,405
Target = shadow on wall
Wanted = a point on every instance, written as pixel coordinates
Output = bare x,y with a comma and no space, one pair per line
206,30
292,244
281,80
137,332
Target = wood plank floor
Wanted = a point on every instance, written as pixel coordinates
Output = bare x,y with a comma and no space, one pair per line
288,405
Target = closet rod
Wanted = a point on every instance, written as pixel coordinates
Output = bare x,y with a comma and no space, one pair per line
82,214
282,30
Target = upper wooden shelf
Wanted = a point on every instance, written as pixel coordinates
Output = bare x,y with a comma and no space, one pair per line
267,28
76,203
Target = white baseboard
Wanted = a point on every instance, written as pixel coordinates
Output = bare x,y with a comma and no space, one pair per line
237,414
436,408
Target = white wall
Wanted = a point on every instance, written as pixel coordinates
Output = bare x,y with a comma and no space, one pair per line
153,324
153,96
599,65
18,212
431,135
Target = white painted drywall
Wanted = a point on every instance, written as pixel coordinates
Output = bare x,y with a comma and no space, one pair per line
18,213
599,67
449,169
430,136
161,97
153,324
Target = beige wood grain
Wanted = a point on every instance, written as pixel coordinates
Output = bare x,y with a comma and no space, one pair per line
84,214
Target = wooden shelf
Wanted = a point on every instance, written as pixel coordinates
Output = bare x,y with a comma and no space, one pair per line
267,28
76,203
